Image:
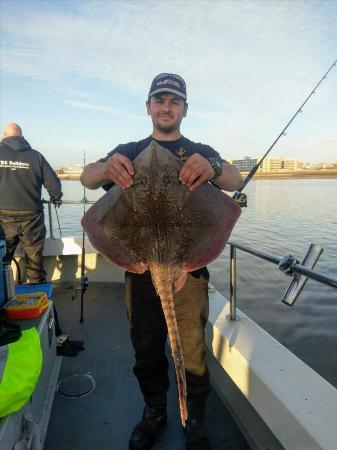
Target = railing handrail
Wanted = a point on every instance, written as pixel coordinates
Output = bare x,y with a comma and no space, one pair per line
294,268
50,203
70,202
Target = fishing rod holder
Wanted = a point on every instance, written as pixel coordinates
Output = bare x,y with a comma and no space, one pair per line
289,265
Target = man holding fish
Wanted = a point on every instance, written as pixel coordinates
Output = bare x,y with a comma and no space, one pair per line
150,316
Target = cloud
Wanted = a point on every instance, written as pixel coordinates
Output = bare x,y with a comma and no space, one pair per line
106,109
229,52
76,93
248,65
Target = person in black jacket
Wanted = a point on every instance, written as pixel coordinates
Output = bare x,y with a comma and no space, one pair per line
167,106
23,172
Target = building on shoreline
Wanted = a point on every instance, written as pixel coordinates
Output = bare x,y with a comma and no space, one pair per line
246,164
318,166
71,171
279,164
275,164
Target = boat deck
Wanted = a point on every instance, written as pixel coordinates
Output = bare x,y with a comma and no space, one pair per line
104,418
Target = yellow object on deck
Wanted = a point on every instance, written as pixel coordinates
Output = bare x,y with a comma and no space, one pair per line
26,306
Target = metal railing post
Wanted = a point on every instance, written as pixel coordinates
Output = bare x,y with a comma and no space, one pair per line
50,221
232,282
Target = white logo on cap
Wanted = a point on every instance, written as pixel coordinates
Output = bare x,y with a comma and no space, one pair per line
167,81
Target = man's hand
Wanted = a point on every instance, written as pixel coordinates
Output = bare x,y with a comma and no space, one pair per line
119,169
195,171
57,203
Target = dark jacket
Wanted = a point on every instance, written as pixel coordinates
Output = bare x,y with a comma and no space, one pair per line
23,172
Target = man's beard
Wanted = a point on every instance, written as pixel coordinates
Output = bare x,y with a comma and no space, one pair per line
168,129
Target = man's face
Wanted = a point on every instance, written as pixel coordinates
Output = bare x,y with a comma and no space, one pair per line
167,111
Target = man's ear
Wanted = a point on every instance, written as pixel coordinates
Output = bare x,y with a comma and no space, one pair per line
185,109
148,107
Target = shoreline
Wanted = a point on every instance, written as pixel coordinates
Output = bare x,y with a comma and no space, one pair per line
298,174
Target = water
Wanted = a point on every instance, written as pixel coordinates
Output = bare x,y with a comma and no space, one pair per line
283,217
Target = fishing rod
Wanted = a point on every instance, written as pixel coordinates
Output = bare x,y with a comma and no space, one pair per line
57,216
57,204
84,278
239,196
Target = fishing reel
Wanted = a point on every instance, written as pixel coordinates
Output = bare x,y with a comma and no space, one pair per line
82,289
241,199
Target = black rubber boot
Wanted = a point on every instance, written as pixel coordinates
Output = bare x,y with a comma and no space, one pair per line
196,438
144,435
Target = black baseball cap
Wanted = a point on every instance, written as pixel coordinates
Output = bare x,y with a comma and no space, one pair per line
168,82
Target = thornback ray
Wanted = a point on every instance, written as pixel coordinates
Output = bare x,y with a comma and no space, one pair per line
158,224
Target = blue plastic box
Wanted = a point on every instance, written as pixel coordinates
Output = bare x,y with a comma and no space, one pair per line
47,288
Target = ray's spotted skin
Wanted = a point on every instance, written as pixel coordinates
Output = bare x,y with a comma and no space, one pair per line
158,224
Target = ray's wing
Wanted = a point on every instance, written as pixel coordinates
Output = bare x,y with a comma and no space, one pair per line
160,215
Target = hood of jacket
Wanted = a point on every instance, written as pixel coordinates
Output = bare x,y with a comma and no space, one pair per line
16,143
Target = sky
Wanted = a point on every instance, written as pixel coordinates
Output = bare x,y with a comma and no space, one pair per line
75,74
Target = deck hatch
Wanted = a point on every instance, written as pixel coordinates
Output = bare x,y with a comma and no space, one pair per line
76,386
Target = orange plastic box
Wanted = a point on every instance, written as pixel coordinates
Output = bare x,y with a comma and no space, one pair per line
26,306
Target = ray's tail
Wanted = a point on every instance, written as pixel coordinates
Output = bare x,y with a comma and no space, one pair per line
163,277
